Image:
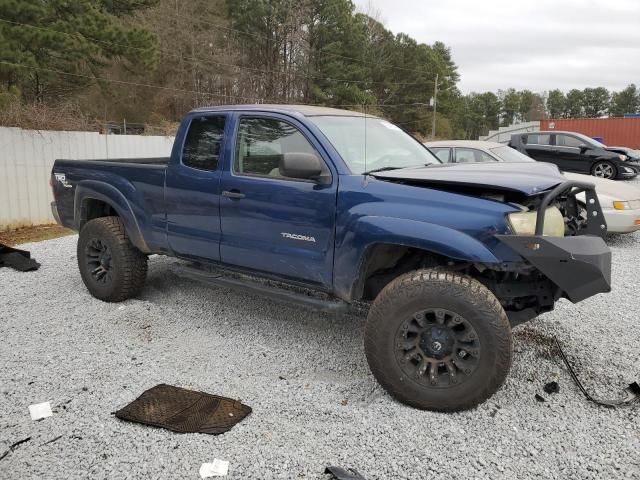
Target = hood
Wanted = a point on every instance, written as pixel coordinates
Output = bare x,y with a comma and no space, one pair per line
614,189
527,178
634,155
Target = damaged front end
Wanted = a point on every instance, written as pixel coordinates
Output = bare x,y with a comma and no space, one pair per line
575,264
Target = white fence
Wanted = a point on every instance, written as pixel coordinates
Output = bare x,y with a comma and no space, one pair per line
26,158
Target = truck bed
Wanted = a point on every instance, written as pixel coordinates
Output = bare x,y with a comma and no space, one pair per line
161,161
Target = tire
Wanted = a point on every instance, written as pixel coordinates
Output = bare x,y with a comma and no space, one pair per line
604,169
112,269
459,314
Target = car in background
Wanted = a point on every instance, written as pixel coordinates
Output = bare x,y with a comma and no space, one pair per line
574,152
620,203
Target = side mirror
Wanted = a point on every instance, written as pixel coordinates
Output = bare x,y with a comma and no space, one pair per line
584,147
305,166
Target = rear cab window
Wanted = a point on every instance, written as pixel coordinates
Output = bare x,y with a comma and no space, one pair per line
203,143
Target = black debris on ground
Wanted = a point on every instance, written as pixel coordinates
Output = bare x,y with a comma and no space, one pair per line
344,474
552,387
17,259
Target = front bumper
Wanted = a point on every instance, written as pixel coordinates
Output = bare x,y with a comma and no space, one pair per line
580,266
633,164
622,221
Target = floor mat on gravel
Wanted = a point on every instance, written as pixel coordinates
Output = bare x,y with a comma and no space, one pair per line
184,411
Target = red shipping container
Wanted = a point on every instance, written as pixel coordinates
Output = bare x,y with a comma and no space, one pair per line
615,132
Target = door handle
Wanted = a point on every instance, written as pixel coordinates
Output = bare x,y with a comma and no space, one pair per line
233,194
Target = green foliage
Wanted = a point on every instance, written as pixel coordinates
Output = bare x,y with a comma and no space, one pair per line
574,105
556,104
625,101
595,101
160,58
78,38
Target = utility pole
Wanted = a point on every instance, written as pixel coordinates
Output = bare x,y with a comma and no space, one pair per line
435,107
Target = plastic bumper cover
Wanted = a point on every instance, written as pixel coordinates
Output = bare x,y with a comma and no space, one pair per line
622,221
580,266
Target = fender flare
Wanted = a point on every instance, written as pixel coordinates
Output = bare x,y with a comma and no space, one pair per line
370,231
91,189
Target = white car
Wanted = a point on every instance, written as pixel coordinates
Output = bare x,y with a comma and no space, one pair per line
620,202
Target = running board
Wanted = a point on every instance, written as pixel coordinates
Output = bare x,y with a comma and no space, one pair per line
248,285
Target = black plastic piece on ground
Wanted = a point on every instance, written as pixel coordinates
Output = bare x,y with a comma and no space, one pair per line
552,387
633,390
17,259
540,398
344,474
184,411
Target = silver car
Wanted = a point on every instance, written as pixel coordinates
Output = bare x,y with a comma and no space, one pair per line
620,202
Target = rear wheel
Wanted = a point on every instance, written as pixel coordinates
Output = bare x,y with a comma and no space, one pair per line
111,267
604,169
438,340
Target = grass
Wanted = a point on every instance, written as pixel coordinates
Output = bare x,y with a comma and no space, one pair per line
33,234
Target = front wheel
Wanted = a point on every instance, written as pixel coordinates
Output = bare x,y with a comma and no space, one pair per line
604,170
438,340
111,267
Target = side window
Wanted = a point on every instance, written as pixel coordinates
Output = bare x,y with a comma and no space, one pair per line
538,139
262,142
203,143
466,155
442,153
568,141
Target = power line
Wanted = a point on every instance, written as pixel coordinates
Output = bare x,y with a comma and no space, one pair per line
213,62
124,82
183,90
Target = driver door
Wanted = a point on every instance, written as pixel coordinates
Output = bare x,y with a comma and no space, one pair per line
277,225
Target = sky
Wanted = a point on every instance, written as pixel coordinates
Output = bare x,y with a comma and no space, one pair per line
541,45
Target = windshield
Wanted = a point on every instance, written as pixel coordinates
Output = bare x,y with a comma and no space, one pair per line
508,154
367,144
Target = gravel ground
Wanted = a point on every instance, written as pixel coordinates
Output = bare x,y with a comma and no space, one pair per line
305,376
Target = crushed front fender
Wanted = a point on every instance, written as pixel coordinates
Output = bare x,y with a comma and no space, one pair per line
580,266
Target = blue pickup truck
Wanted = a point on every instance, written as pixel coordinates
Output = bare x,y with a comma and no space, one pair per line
329,208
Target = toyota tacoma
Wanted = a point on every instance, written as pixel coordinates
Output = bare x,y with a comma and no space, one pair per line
330,208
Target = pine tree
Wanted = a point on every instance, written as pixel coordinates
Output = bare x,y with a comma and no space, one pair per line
51,49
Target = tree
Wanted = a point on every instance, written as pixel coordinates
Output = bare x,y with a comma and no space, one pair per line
510,105
573,104
595,101
556,104
527,99
625,101
56,47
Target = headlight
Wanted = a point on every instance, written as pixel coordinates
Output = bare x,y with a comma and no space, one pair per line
524,223
619,205
622,157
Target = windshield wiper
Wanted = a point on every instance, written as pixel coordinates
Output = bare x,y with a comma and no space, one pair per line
382,169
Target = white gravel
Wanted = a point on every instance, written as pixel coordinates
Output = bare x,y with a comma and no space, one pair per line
305,376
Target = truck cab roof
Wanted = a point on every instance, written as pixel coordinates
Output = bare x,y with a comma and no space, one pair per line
304,110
